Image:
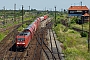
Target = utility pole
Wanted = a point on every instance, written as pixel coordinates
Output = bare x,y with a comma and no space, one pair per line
81,4
4,16
22,15
14,12
45,10
55,14
19,15
82,17
29,10
68,21
89,34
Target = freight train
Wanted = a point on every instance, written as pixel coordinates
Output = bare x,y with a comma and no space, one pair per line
23,39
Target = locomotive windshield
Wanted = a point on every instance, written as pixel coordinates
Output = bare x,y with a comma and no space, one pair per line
21,39
24,33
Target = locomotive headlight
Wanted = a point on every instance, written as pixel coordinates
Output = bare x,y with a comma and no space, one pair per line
18,43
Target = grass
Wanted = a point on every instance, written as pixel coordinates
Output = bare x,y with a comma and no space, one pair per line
75,46
85,26
3,34
22,28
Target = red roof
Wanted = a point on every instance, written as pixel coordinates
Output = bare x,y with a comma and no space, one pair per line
78,8
86,14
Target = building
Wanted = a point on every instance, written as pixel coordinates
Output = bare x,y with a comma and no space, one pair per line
81,11
77,10
85,17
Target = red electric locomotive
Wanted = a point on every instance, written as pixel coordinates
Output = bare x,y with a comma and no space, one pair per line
23,39
45,17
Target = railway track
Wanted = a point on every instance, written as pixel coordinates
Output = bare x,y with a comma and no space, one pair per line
8,41
55,49
38,47
14,54
44,48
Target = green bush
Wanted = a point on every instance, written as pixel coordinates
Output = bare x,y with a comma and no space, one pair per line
55,24
72,32
58,21
74,20
83,34
66,29
61,37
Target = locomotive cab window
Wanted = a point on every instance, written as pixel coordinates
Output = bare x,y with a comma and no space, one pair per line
24,33
20,39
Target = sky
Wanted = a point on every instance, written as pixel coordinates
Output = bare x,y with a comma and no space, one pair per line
42,4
